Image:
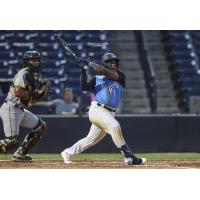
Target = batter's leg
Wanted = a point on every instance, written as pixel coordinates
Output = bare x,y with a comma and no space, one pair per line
106,121
94,136
38,128
11,118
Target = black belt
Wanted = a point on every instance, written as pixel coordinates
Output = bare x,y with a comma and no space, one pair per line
106,107
17,106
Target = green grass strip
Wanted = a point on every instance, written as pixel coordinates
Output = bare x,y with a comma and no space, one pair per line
114,156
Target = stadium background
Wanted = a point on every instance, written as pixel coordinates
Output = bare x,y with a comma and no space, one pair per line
159,111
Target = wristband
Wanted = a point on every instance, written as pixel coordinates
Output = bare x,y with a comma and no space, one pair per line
92,64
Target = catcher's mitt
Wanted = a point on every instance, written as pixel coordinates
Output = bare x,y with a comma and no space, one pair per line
48,88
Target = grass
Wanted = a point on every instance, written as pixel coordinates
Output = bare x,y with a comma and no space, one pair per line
115,156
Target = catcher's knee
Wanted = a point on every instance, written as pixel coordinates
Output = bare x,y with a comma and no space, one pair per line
40,129
9,143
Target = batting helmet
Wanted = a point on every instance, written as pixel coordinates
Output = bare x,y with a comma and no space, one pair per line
31,56
107,57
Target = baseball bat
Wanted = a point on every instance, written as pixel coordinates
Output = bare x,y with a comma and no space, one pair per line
67,48
65,45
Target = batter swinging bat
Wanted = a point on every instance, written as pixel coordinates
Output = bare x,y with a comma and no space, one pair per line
65,45
67,48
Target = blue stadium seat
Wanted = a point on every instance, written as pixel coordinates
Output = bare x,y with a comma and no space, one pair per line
74,73
6,35
22,47
3,63
20,38
97,38
52,55
185,47
47,46
4,46
72,32
7,74
45,38
6,55
50,63
58,66
72,38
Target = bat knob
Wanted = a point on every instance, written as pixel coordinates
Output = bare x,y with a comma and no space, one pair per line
85,67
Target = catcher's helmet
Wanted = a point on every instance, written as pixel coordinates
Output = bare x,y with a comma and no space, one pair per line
31,56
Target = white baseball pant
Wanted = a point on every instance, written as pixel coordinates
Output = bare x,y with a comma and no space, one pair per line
103,122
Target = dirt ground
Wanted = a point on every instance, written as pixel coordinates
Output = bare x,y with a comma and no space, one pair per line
100,164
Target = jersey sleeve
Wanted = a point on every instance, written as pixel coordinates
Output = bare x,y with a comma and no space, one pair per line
21,80
122,78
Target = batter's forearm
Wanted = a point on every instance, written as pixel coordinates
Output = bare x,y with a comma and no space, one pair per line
101,70
83,80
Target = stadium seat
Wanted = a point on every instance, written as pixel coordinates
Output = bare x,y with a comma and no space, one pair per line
185,46
6,35
57,65
43,46
45,38
22,46
6,54
4,46
52,55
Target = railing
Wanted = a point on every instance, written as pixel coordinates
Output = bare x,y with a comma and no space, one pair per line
149,73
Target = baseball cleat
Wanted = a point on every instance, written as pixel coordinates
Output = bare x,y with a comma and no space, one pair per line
135,161
66,157
19,158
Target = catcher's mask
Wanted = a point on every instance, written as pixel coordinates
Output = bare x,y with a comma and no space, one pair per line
110,60
32,59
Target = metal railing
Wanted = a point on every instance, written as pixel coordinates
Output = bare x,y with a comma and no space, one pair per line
149,72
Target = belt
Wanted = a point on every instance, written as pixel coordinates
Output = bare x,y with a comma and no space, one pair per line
106,107
17,106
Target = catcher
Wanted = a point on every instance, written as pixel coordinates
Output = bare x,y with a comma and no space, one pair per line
13,112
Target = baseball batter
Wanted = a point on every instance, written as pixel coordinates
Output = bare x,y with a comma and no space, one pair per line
14,114
108,85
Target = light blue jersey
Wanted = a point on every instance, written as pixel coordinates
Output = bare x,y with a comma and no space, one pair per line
109,92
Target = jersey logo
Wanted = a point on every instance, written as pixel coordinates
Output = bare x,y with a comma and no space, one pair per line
112,87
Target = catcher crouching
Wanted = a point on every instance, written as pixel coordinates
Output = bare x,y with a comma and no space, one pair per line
14,113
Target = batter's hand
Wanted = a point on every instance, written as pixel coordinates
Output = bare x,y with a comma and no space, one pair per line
83,62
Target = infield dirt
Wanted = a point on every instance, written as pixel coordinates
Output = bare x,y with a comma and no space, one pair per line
100,164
